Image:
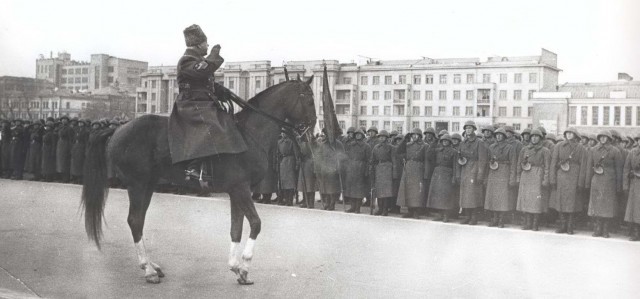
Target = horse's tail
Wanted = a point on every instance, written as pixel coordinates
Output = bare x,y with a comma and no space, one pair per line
94,186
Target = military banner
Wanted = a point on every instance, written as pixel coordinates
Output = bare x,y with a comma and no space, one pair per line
329,113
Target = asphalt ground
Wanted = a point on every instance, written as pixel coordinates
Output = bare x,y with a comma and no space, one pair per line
44,252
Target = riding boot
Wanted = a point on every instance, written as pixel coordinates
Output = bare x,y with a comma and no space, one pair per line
494,220
352,204
311,199
636,232
570,224
474,217
467,219
562,224
332,201
598,229
358,203
409,214
536,222
386,204
501,219
605,228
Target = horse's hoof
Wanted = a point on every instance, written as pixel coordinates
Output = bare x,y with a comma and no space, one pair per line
153,278
160,273
243,280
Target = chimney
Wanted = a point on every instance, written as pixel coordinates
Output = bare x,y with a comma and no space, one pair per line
624,77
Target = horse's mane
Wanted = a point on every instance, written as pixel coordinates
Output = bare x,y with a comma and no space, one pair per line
255,101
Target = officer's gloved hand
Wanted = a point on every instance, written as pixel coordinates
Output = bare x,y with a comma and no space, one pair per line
216,49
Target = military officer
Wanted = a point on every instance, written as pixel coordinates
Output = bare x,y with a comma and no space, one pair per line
287,169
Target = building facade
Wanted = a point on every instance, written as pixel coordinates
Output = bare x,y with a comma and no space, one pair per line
102,71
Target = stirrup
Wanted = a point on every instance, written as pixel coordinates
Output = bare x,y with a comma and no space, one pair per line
198,175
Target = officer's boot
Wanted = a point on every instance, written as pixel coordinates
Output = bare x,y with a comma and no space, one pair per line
311,199
474,217
290,195
605,228
358,203
501,219
494,220
598,229
352,204
562,224
467,219
387,202
409,214
536,222
332,201
570,224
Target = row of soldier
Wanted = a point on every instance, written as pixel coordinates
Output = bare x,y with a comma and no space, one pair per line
50,150
496,171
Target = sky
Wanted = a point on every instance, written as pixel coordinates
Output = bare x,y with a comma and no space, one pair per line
594,39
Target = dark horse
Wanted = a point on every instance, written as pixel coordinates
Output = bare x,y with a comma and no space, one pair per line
139,151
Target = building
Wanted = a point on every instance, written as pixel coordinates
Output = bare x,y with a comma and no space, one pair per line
590,107
391,94
102,71
15,91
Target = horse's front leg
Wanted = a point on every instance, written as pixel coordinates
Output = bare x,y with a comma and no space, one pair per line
243,205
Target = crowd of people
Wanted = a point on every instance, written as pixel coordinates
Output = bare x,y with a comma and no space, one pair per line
489,173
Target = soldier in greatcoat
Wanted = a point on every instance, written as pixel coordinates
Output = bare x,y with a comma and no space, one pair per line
533,176
287,169
63,149
526,137
49,152
604,177
34,159
356,172
78,151
398,167
382,173
567,175
5,149
631,187
487,135
442,180
307,177
263,191
412,190
501,178
18,135
329,158
471,173
372,140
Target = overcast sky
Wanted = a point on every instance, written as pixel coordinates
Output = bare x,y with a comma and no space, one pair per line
594,39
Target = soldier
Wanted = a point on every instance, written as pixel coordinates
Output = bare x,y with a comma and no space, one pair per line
392,136
526,135
471,173
430,136
372,141
501,178
442,182
48,152
329,159
398,166
78,151
442,133
533,177
604,177
356,172
307,178
350,135
269,183
412,189
34,160
631,187
382,173
287,169
17,150
5,149
567,178
63,149
487,135
593,141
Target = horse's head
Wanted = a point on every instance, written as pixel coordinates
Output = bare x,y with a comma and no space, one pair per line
300,109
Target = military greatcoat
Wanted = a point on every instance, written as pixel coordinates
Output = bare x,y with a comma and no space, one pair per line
327,167
287,163
307,176
63,149
603,200
356,170
412,191
49,152
533,182
382,162
566,199
499,181
442,183
78,151
631,184
471,174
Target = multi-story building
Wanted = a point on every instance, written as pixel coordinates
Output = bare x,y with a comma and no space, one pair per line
393,95
102,71
590,107
15,91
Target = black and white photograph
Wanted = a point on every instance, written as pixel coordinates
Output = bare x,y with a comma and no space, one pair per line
319,149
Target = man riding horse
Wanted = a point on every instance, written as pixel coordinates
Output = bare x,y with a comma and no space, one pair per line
201,125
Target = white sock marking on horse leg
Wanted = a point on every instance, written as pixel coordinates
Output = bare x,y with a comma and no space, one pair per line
233,255
247,254
143,260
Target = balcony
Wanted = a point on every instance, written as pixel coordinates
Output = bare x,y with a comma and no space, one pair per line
399,101
342,101
345,87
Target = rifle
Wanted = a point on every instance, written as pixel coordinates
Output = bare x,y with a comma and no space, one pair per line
372,178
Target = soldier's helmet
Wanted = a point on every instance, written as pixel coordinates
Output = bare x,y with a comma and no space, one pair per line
383,133
359,132
487,128
593,137
64,117
393,133
509,129
471,124
372,128
351,130
501,131
194,36
536,132
526,131
419,132
605,133
429,130
49,124
456,136
542,130
442,132
615,134
551,136
571,130
445,137
75,119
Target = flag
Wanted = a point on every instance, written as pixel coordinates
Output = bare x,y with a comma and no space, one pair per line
329,113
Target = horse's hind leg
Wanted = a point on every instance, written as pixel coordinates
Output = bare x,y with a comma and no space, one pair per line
139,200
242,205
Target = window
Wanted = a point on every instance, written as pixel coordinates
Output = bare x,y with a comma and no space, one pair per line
517,78
456,111
428,79
153,96
110,80
398,110
362,123
64,71
503,78
153,83
387,95
376,80
470,79
427,124
346,80
428,111
455,126
517,111
486,78
85,70
457,78
616,115
363,110
342,109
375,110
572,115
416,110
258,83
516,127
533,77
443,79
63,80
415,124
468,111
583,116
364,80
363,95
605,115
398,94
145,84
68,105
402,79
428,95
417,79
110,69
594,115
530,95
442,95
502,111
502,95
232,84
387,80
638,116
387,110
416,95
529,111
517,95
375,95
627,116
442,110
469,94
85,79
387,125
342,124
456,95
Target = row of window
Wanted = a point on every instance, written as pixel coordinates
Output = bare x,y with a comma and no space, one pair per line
428,95
74,80
428,111
77,71
604,115
442,79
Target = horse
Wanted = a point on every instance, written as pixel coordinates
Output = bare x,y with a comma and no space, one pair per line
139,152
